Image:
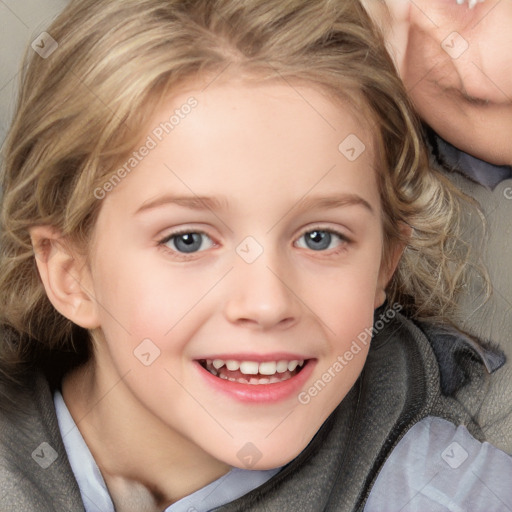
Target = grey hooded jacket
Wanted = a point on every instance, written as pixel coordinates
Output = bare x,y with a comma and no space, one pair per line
400,385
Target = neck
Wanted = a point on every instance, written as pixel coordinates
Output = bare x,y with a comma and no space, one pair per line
142,460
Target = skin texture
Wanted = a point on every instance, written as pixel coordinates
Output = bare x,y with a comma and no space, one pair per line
455,63
259,150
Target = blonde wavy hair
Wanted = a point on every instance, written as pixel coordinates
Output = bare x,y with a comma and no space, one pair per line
80,112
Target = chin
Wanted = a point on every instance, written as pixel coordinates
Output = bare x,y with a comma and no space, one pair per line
271,462
261,455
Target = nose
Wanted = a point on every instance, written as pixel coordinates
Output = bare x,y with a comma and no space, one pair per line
261,297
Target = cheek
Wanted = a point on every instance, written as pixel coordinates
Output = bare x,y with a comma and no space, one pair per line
132,306
136,293
154,301
350,320
346,304
499,67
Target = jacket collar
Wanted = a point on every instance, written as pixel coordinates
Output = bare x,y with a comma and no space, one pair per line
399,386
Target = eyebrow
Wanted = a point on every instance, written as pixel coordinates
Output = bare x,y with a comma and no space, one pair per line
334,201
191,202
215,204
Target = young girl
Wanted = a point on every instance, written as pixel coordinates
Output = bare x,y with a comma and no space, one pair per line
209,208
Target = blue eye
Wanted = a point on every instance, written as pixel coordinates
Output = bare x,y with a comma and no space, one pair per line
188,242
321,239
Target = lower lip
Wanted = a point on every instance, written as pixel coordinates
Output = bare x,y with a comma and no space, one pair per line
259,393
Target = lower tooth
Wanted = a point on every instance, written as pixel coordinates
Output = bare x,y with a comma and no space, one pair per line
251,380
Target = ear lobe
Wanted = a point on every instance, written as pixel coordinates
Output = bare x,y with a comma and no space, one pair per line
389,265
65,276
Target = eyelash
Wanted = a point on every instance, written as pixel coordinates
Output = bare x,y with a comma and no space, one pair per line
344,241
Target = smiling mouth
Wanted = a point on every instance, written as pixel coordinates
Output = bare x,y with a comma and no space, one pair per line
253,372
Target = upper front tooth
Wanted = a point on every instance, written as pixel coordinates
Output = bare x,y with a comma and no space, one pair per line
282,366
253,367
249,367
292,365
268,368
232,365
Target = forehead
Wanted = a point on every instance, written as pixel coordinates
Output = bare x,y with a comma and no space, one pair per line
241,140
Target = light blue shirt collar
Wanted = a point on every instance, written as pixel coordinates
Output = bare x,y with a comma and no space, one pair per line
94,491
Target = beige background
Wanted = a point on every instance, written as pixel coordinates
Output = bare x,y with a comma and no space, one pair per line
21,21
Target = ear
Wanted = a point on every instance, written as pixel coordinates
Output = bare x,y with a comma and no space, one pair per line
390,263
65,276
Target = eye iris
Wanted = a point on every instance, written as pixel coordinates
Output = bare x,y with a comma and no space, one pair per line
318,240
188,242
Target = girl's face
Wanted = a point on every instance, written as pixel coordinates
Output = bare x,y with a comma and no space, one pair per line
235,266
